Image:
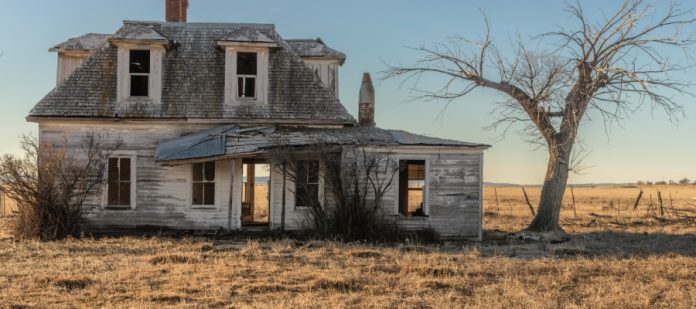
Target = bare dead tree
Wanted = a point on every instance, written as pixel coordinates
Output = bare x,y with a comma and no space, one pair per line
51,183
611,67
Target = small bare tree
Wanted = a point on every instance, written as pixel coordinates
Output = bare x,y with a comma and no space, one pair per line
357,181
51,183
611,66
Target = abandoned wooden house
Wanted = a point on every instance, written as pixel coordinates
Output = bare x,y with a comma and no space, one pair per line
198,107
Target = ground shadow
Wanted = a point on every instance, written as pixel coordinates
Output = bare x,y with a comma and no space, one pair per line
590,244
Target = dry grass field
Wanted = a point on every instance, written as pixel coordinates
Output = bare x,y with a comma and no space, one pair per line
616,258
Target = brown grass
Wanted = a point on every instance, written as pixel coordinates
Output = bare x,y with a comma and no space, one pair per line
634,262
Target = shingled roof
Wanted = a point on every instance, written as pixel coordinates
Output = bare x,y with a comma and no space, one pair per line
87,42
193,81
315,48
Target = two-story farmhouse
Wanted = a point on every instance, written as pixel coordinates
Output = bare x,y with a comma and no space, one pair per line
198,107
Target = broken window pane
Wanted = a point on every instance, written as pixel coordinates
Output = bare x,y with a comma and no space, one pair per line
246,87
140,61
246,63
139,85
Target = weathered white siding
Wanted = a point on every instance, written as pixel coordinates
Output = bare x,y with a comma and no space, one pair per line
453,190
163,194
327,70
68,63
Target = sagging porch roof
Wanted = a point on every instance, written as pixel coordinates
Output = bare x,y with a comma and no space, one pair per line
232,141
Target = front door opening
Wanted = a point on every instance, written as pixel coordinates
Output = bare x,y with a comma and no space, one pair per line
256,183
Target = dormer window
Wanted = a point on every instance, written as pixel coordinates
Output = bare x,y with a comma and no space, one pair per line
246,65
139,71
247,68
140,57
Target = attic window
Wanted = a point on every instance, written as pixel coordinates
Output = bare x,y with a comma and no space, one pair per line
246,75
139,71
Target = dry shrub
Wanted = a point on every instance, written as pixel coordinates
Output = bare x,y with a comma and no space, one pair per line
269,288
172,259
169,298
365,254
50,184
67,283
338,285
358,181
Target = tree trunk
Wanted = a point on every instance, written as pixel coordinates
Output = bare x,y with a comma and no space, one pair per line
547,216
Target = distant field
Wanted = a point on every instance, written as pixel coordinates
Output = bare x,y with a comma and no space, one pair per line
602,203
614,257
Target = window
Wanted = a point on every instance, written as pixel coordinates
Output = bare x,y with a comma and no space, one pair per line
139,71
412,187
203,191
307,183
119,182
246,75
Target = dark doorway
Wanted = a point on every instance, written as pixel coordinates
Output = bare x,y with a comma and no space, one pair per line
256,185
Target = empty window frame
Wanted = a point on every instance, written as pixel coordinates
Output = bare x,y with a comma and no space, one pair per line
307,183
203,184
246,75
119,182
412,187
139,73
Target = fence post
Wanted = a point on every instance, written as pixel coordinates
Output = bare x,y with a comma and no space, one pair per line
531,209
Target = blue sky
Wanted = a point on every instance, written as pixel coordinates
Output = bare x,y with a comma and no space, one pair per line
645,146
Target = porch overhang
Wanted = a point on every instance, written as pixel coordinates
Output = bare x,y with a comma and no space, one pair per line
232,141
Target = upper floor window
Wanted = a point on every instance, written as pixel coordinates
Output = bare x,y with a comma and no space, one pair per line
139,73
246,75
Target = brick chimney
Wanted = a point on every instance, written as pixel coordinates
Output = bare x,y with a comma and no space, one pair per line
366,106
176,10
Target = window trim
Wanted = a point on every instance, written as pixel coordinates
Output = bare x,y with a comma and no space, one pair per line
130,75
320,184
231,76
291,187
123,81
133,156
189,187
426,190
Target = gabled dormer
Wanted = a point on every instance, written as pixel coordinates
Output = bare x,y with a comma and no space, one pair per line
140,53
246,66
323,60
73,52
